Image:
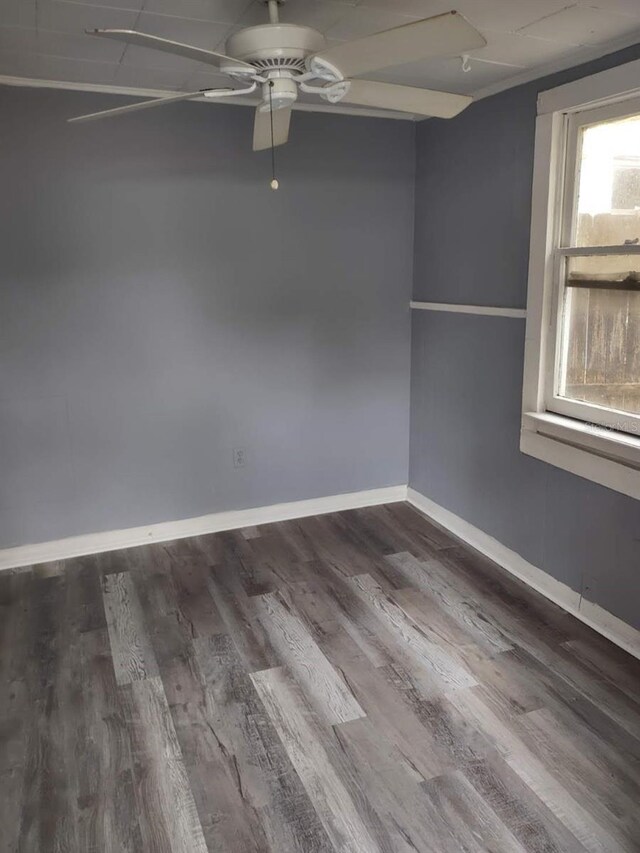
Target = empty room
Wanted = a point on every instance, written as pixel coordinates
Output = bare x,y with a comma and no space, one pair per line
319,426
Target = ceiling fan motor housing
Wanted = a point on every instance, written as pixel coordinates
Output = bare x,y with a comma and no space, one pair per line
275,46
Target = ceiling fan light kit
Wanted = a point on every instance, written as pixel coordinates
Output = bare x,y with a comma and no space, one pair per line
284,93
279,60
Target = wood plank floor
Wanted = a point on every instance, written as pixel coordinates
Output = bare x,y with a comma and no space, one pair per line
354,682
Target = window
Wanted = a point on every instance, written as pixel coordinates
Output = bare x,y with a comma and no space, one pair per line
595,373
582,362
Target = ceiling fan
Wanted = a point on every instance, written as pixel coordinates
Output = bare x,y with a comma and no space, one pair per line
281,59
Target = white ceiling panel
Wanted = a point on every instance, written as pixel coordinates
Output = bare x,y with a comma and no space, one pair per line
18,39
501,15
11,64
447,75
64,17
131,5
144,57
78,46
45,38
310,13
519,49
625,7
163,79
360,21
39,67
220,11
206,34
61,68
507,16
18,13
205,80
581,25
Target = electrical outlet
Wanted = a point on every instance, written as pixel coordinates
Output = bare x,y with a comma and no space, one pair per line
239,457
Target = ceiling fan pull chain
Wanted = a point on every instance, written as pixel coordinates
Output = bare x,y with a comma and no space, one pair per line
274,180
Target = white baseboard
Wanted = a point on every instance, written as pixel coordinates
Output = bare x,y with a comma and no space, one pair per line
113,540
596,617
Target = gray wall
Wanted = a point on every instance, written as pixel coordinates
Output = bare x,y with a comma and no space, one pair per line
160,305
473,204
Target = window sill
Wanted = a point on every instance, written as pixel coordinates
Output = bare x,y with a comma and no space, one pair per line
595,453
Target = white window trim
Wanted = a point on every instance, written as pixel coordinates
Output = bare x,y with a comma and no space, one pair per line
596,453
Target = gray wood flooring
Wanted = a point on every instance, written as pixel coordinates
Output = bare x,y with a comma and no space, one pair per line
357,682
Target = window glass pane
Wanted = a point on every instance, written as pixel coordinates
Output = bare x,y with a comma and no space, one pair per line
604,271
601,332
608,199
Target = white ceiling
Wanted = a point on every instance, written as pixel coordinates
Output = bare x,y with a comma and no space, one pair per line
44,39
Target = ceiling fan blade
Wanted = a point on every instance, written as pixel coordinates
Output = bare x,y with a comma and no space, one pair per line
441,35
407,99
142,105
178,49
262,128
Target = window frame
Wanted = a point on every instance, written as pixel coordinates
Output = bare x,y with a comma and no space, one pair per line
574,122
579,437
